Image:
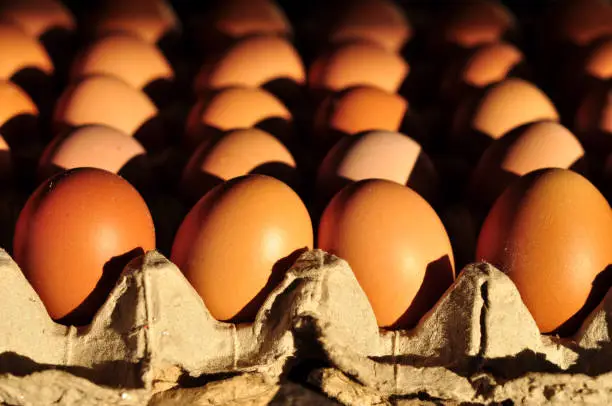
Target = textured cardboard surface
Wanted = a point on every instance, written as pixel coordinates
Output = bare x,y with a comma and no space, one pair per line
154,342
153,331
62,389
478,344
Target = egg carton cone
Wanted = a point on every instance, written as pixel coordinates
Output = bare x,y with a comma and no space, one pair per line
153,342
153,333
479,344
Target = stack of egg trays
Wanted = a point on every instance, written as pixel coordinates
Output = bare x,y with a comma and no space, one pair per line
478,345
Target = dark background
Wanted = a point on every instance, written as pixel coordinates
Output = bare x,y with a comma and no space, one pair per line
296,8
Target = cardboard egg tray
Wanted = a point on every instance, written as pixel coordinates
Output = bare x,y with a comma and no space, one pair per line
155,343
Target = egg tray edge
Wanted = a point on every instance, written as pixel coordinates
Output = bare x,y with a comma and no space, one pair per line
478,344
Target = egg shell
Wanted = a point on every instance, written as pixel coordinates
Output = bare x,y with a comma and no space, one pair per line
268,59
94,146
236,108
51,23
18,116
150,20
578,22
20,52
534,146
232,20
469,24
356,110
378,155
593,122
127,57
237,242
491,64
479,68
26,63
233,154
599,61
109,101
38,17
73,239
396,245
551,233
357,64
382,22
16,103
497,110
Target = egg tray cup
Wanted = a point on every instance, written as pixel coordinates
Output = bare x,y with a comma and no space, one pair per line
154,342
478,345
153,333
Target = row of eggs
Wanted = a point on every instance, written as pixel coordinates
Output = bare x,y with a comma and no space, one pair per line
551,230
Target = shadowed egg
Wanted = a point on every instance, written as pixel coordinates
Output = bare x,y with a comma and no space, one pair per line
533,146
378,21
236,108
151,20
109,101
94,146
498,109
129,58
356,110
485,65
233,154
229,21
474,23
377,155
269,62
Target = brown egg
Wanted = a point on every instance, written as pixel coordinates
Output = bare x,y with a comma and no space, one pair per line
534,146
501,107
107,101
379,21
237,242
578,22
232,20
20,51
599,62
72,239
356,110
53,25
235,154
135,61
395,244
94,146
18,115
150,20
236,108
252,62
477,22
551,233
358,64
593,121
486,65
377,155
490,64
38,17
